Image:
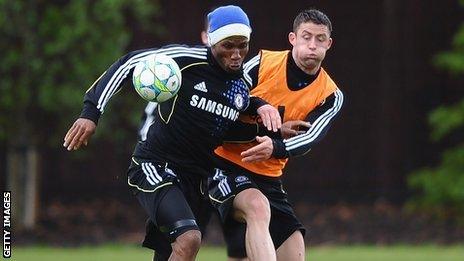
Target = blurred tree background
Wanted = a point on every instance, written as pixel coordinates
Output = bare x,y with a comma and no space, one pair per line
351,188
441,189
56,49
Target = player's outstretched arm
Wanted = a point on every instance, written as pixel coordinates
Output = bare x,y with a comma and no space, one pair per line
79,134
321,118
98,95
265,148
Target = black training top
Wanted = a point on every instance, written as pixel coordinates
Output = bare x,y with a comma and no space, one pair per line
188,127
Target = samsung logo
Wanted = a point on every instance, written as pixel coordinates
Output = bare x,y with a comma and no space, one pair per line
214,107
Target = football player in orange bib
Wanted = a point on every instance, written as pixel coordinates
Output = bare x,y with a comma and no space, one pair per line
247,187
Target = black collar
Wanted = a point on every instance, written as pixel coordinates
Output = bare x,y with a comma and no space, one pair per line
297,79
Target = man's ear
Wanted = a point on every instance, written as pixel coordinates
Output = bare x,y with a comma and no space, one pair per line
330,43
292,38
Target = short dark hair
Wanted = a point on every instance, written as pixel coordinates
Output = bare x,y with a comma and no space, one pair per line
312,15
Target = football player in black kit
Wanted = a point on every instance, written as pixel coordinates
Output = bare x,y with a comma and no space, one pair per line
168,168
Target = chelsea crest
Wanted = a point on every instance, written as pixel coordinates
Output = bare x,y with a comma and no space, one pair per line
239,101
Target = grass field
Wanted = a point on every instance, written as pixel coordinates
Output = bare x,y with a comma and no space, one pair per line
345,253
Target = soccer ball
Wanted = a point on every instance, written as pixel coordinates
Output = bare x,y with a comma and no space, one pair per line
157,78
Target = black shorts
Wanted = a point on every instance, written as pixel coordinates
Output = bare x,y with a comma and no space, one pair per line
227,183
174,199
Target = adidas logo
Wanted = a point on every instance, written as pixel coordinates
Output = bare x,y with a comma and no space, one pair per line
201,87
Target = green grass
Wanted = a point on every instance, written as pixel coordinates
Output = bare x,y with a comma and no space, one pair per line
392,253
345,253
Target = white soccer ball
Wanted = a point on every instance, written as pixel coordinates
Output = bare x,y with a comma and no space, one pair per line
157,78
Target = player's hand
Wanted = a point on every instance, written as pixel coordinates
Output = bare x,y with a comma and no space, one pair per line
79,133
260,152
292,128
270,117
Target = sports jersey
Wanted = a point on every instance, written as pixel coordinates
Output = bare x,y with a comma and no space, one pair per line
298,96
186,129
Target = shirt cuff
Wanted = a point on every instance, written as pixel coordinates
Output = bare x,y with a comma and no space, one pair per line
279,151
90,112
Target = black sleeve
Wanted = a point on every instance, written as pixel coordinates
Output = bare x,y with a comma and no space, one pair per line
111,81
251,70
241,132
250,74
320,118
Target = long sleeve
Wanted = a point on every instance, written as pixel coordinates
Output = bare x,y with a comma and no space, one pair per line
241,132
320,118
250,74
251,70
110,82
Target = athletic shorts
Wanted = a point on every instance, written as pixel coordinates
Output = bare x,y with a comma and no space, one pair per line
175,201
228,182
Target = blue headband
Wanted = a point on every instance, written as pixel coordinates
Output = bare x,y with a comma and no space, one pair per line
227,21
